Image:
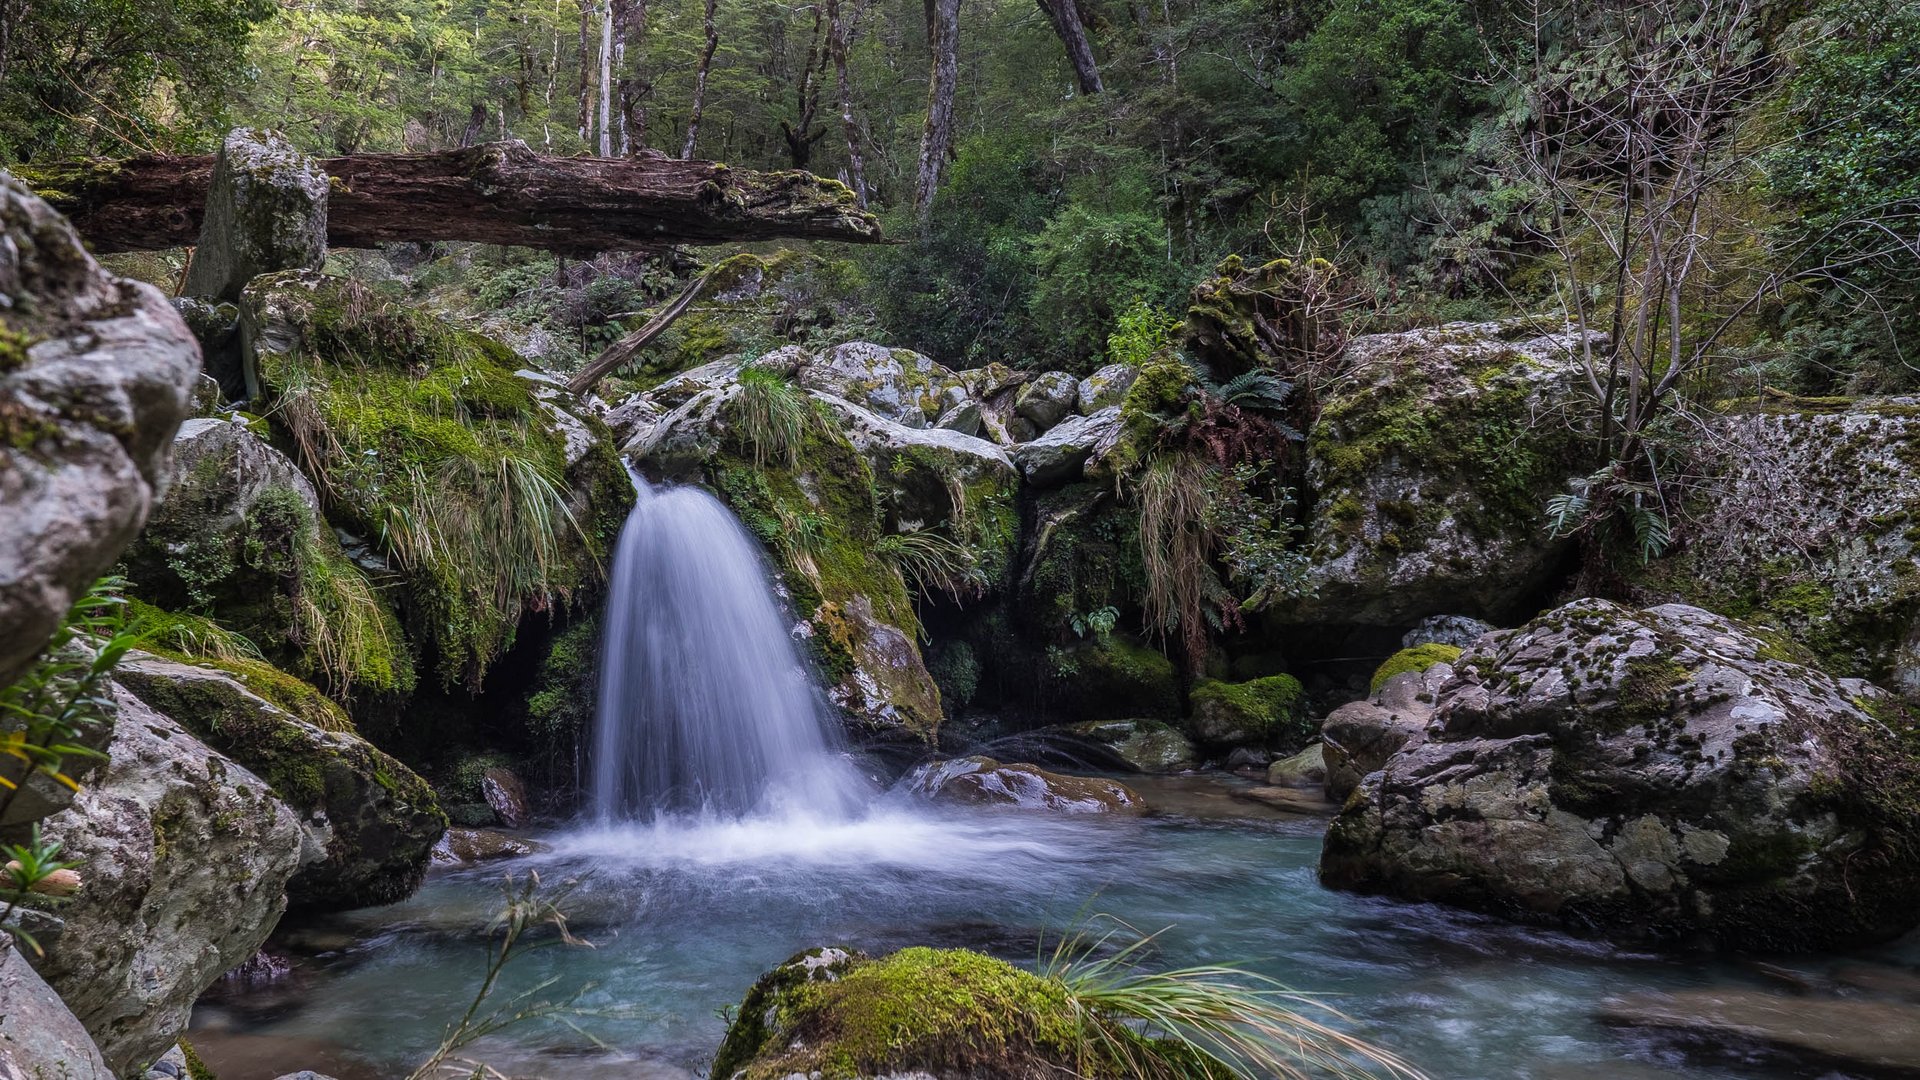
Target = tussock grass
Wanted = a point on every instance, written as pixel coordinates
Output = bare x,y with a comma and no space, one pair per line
932,562
772,415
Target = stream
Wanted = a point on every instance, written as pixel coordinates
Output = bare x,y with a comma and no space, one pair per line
683,916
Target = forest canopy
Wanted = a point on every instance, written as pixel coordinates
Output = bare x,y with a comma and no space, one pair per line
1052,165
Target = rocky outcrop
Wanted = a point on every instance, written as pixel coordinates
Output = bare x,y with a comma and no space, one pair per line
187,856
982,781
1429,464
1357,738
1662,773
266,210
1804,515
1459,631
898,384
1062,455
40,1038
95,375
369,823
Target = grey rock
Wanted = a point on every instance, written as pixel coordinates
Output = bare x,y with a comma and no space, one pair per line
507,795
1860,1036
898,384
1062,455
89,413
185,857
1046,398
1460,631
963,418
266,211
982,781
467,847
1306,769
1357,738
1657,773
1106,387
1147,745
40,1038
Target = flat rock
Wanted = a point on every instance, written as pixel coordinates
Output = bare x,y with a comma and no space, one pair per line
1881,1036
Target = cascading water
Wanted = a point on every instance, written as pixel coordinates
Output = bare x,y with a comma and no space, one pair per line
705,703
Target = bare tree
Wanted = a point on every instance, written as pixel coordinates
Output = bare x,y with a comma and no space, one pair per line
803,133
586,72
936,138
630,26
712,29
606,78
840,34
1072,29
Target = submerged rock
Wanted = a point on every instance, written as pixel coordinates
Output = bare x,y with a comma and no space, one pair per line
187,856
1429,465
982,781
1877,1037
368,821
1664,773
1147,745
96,374
941,1014
466,847
40,1038
266,210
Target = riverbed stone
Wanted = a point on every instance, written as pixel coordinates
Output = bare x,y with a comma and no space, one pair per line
1664,774
1264,713
983,781
266,210
1872,1037
1149,746
40,1038
186,857
96,374
1306,769
1357,738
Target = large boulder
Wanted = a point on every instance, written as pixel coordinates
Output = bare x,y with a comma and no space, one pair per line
940,1014
1429,464
1357,738
982,781
898,384
1661,773
369,823
1104,388
1061,456
1266,713
186,857
1042,402
40,1038
266,211
1802,515
95,375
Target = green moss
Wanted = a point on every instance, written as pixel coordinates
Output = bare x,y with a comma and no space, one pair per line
1646,690
1268,711
1418,658
13,348
920,1008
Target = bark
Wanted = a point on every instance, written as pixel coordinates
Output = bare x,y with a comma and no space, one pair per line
476,125
586,75
634,85
495,193
840,42
936,139
804,133
700,82
1067,23
606,79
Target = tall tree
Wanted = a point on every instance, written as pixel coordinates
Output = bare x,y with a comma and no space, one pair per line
936,137
840,32
1072,30
711,28
802,133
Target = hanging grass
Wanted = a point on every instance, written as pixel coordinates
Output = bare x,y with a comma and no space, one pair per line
931,562
772,415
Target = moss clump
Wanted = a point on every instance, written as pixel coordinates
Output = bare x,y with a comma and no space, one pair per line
13,348
1109,675
1647,688
1269,711
919,1010
1418,658
191,639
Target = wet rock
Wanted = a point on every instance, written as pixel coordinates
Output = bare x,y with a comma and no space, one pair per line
1429,465
504,792
187,856
368,822
1459,631
1104,388
1658,773
266,211
1148,745
96,374
1268,712
1291,799
465,847
1357,738
1061,456
1116,675
40,1038
1306,769
1880,1037
1045,399
982,781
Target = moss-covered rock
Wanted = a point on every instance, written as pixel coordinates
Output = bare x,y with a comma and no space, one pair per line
982,781
1660,774
1428,469
1148,746
897,384
1417,658
1113,675
1804,517
369,822
1268,713
836,1014
479,485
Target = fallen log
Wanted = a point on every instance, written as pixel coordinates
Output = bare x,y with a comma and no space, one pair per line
493,193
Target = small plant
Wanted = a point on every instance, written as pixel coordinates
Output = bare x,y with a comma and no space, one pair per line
932,562
1205,1022
1098,622
1609,506
529,906
34,871
773,415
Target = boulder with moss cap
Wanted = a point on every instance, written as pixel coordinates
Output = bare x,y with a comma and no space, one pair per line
1267,713
1663,773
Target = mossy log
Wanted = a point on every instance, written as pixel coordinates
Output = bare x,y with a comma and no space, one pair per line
494,193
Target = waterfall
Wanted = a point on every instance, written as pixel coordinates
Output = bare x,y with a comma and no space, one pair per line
706,705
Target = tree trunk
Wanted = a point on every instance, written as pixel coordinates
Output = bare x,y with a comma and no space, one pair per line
1065,17
700,82
634,84
586,74
606,78
622,352
493,193
476,125
840,42
936,140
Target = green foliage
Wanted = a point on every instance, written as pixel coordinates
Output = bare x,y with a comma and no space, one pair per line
933,562
1140,333
1094,264
772,415
1418,658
